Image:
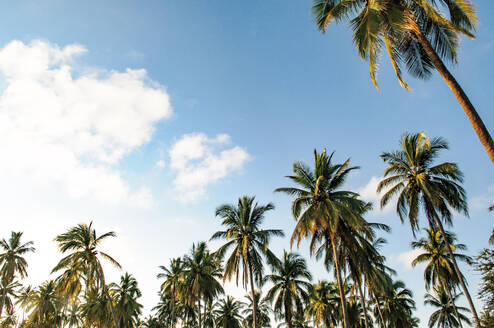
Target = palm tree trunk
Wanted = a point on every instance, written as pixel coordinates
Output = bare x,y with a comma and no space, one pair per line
288,313
199,312
105,290
346,324
458,273
362,299
4,296
452,300
378,308
473,116
173,308
253,291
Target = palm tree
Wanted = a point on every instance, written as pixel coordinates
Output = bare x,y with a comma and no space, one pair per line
321,207
202,269
249,242
173,278
95,308
439,270
290,278
227,313
125,295
415,34
12,261
398,305
9,292
263,310
83,243
323,305
446,316
45,306
419,182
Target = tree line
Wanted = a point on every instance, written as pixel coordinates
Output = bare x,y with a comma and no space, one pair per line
361,290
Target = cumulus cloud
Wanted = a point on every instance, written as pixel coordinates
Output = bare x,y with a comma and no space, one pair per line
70,128
199,161
369,194
406,258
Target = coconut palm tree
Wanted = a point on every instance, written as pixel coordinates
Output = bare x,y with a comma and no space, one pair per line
8,292
446,316
416,34
248,241
12,262
202,269
439,270
95,308
419,182
126,296
323,305
82,243
398,305
45,306
290,278
227,313
321,206
173,276
263,310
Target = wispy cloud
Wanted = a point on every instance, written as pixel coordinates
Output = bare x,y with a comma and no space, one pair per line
369,194
199,161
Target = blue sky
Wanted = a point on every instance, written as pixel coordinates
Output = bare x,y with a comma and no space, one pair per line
250,87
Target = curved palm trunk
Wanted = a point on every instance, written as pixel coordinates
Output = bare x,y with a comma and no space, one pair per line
346,324
463,100
254,303
458,273
452,300
362,299
378,308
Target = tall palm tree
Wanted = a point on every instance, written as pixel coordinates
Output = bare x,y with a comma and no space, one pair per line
418,181
202,269
439,270
321,207
45,306
290,278
416,34
244,233
445,316
12,261
323,305
173,276
263,310
82,243
126,296
227,313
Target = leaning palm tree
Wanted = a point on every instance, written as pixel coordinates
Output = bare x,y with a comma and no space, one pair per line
416,34
12,261
290,278
419,183
439,269
445,316
244,233
173,276
227,313
82,243
321,207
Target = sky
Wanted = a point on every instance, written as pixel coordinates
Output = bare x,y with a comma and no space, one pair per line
143,117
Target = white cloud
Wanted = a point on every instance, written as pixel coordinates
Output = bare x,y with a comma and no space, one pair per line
70,130
199,163
482,202
406,258
160,164
369,194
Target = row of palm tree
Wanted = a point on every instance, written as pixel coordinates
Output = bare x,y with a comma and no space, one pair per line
364,292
